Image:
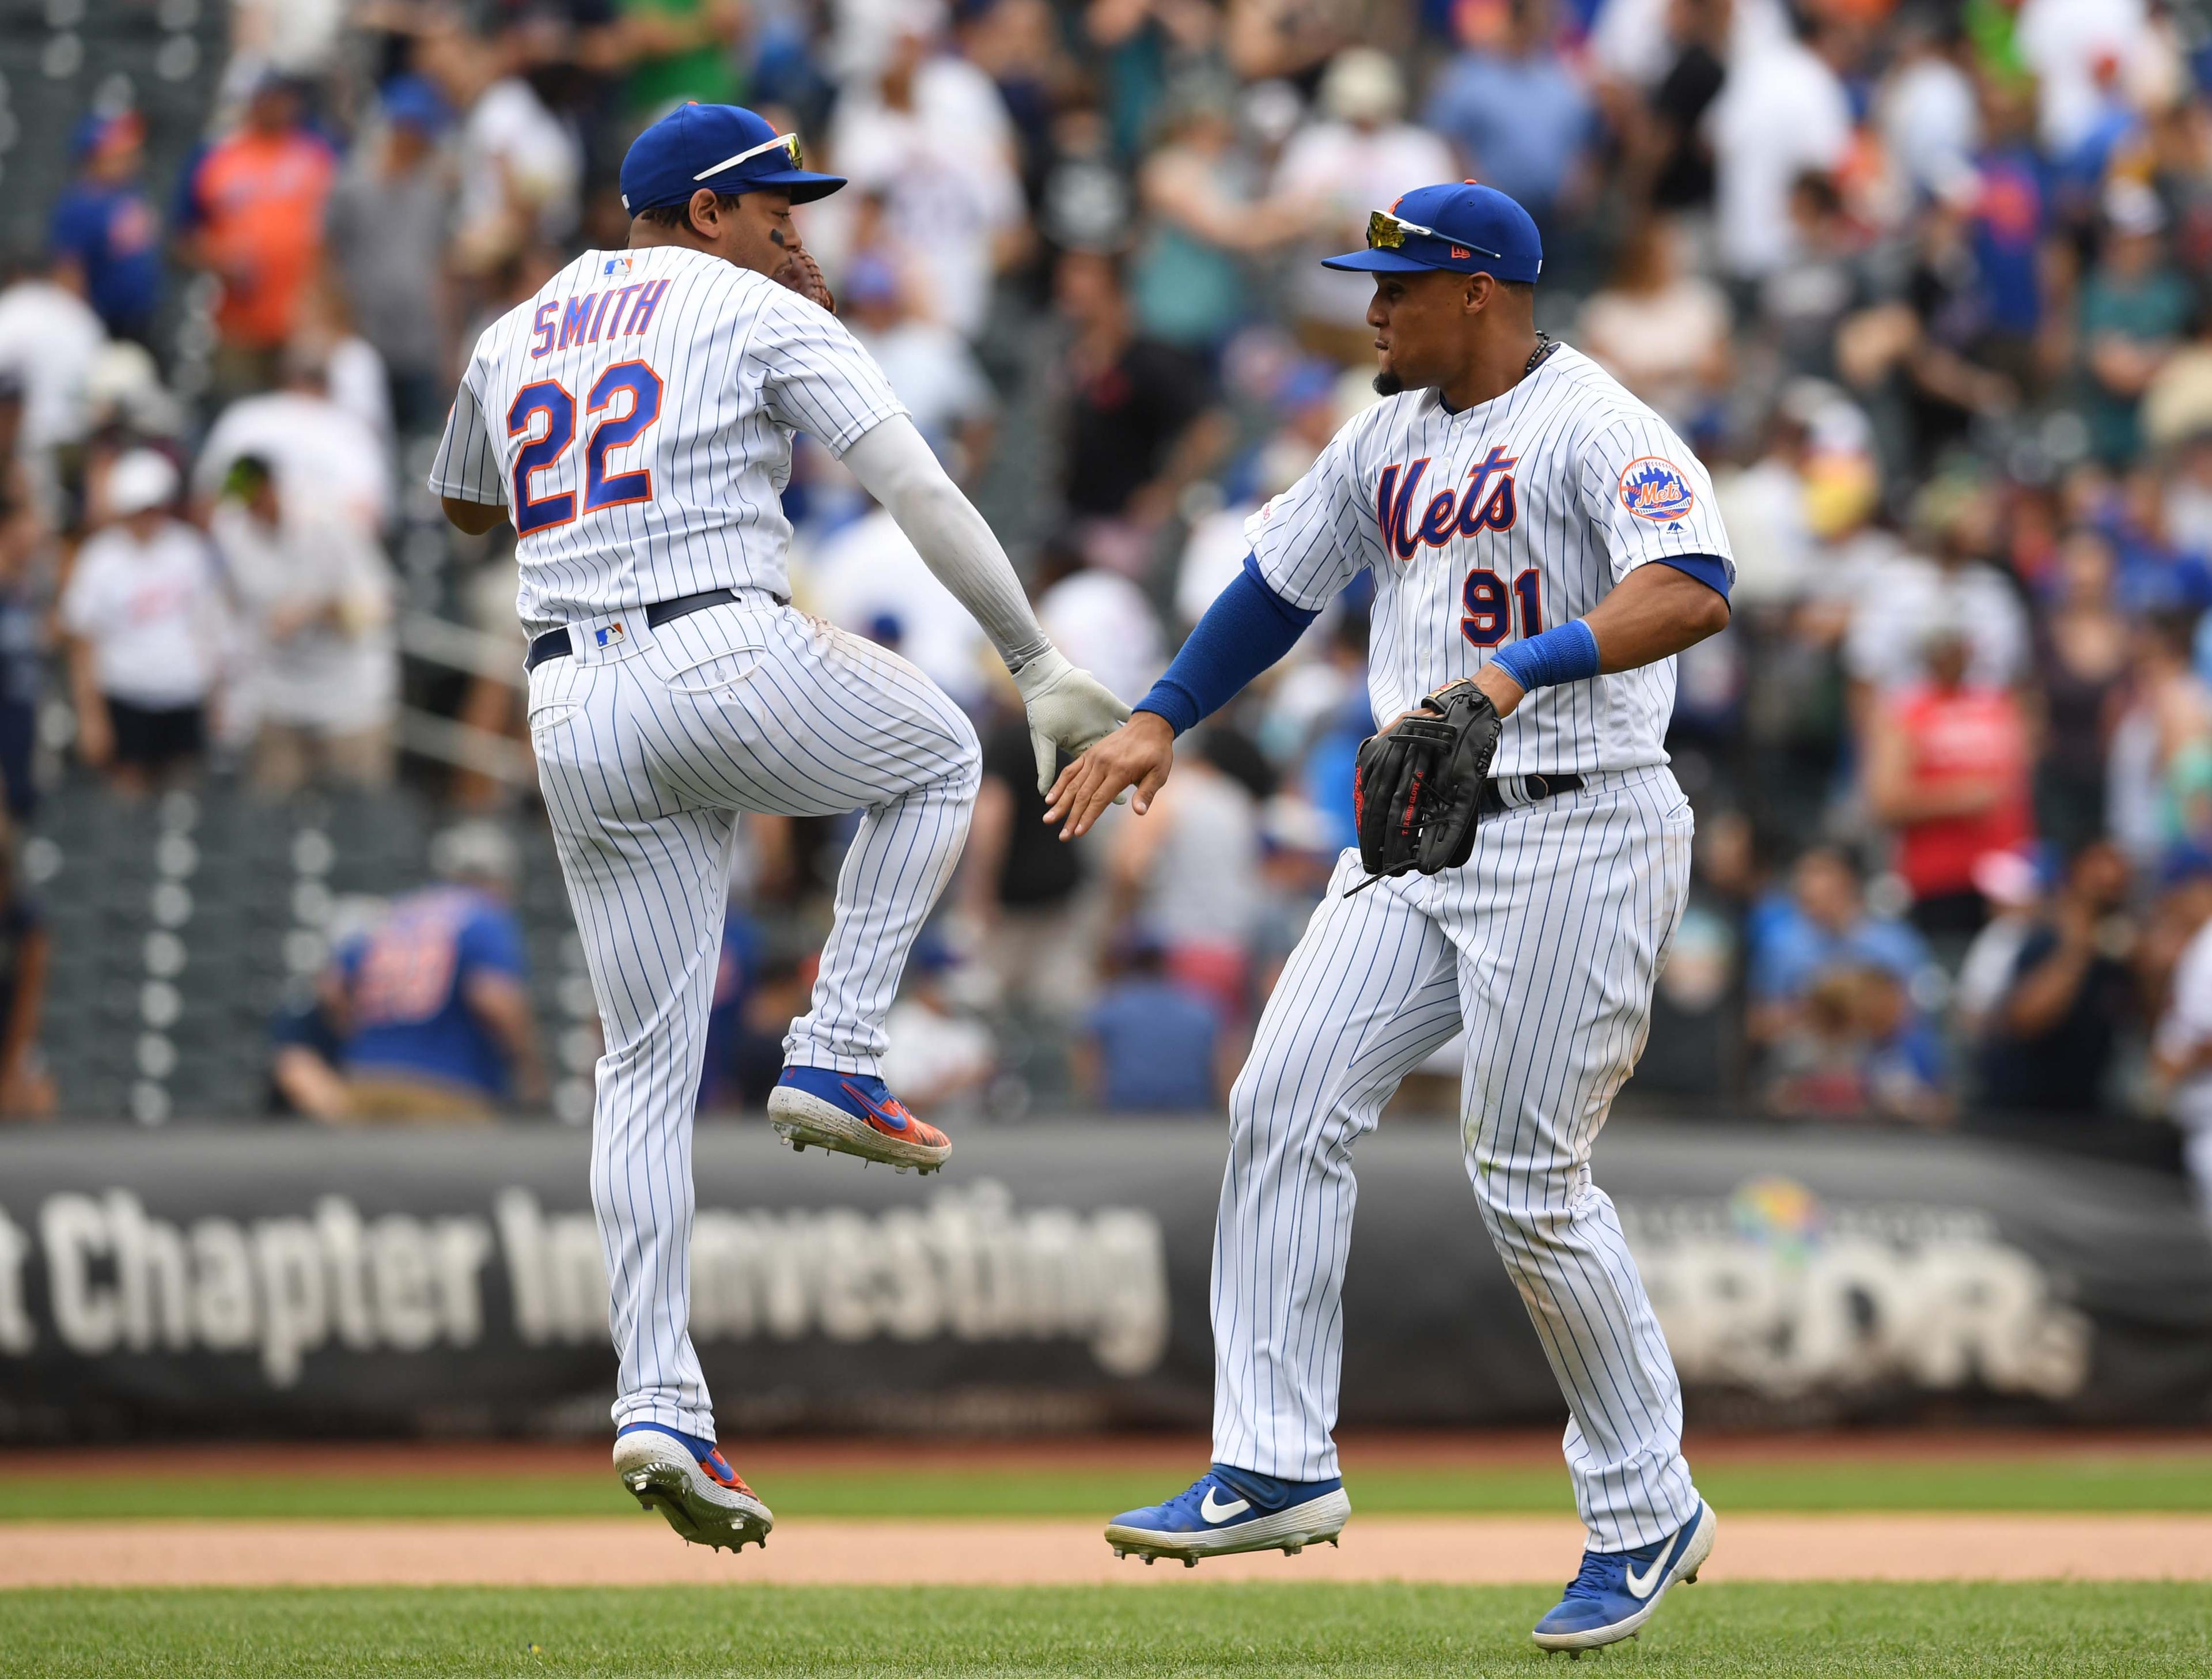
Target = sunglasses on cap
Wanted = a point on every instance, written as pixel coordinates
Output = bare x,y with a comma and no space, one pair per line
1386,232
788,142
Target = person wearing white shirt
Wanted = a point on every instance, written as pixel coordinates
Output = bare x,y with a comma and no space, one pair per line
1916,591
929,366
143,611
1781,112
324,454
2075,48
1361,154
1927,111
321,686
869,578
50,340
931,134
521,170
944,1057
2181,1047
1109,620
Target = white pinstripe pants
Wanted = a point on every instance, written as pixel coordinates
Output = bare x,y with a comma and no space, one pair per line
646,748
1545,946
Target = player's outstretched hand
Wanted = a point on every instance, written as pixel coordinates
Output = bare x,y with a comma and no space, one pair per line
1070,711
1137,755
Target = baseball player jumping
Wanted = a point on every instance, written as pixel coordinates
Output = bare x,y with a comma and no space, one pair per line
634,420
1542,545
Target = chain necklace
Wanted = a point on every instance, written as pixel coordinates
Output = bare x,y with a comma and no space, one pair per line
1546,343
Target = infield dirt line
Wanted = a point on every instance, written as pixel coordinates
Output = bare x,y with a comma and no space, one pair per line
1535,1550
762,1459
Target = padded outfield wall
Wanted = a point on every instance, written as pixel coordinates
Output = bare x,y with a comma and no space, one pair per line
255,1283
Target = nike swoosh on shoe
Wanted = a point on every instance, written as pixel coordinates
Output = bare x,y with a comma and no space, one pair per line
892,1118
1221,1512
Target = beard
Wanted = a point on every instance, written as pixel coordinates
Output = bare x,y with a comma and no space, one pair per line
1388,384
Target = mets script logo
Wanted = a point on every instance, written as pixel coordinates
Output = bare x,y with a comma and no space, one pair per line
1488,503
1657,489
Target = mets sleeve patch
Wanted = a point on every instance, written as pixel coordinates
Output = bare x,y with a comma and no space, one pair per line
1656,489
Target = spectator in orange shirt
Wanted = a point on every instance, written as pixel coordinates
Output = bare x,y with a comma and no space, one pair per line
250,211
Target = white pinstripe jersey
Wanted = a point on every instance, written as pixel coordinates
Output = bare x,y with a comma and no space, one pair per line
635,419
1494,524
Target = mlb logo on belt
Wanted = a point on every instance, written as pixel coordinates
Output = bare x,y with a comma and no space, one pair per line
608,634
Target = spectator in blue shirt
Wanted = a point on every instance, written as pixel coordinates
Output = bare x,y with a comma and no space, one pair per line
1823,926
733,1049
437,1022
1150,1044
105,228
1520,120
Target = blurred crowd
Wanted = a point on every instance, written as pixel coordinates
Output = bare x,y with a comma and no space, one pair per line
1925,282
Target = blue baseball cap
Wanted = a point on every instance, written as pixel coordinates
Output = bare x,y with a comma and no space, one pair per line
723,147
1462,227
97,134
414,101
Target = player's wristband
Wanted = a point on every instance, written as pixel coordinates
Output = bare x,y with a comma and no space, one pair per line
1568,654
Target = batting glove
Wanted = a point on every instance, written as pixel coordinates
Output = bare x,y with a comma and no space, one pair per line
1068,709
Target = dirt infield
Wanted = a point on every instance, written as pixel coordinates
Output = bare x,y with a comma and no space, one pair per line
1455,1551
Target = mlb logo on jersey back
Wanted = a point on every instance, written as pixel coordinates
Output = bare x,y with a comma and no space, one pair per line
1658,490
616,265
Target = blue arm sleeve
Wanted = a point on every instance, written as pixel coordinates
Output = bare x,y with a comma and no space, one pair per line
1247,628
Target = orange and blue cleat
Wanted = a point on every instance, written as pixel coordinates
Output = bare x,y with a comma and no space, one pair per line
853,1113
692,1484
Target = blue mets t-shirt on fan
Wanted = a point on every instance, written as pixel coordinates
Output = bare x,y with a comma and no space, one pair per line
408,981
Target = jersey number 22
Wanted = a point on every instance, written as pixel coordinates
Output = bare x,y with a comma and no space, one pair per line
550,398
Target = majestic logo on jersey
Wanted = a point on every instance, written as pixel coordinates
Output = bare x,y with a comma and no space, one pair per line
1488,503
1657,489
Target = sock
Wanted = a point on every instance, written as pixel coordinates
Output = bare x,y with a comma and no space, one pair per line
699,1448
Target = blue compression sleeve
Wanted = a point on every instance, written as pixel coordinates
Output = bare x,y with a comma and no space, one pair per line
1247,628
1568,654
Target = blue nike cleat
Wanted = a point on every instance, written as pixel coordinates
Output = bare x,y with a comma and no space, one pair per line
853,1113
1616,1591
1229,1509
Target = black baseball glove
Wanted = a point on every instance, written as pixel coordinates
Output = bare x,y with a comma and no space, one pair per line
1417,791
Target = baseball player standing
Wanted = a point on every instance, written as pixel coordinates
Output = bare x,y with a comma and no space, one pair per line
1542,544
634,420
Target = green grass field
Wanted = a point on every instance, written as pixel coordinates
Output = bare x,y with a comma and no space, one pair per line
1177,1627
1391,1631
2175,1482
